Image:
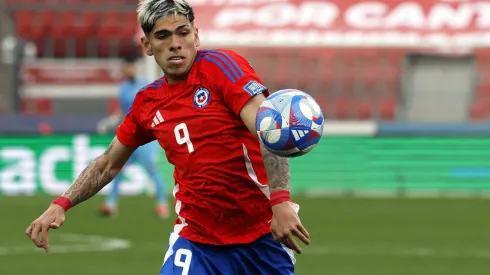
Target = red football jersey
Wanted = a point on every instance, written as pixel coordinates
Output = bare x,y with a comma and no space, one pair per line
221,187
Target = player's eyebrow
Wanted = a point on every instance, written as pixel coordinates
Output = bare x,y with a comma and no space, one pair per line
168,32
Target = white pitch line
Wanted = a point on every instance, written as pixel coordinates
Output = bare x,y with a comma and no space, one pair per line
399,252
72,243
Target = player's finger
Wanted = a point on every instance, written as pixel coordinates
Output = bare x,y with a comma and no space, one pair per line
44,237
35,235
294,244
56,224
287,244
298,233
303,230
275,235
28,231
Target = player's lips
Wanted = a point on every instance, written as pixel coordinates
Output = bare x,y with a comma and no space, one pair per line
176,60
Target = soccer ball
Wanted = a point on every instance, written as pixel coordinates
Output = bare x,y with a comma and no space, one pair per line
289,123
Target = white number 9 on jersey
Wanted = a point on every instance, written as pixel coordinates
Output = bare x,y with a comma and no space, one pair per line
182,136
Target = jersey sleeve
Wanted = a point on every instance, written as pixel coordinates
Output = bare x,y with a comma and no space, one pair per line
130,132
238,80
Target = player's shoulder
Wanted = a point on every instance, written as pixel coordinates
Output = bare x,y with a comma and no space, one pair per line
223,61
223,52
155,85
216,57
146,90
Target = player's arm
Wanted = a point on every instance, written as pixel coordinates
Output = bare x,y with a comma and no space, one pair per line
94,177
100,172
103,169
277,168
285,223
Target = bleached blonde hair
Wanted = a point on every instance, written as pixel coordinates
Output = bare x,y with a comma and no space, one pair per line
149,11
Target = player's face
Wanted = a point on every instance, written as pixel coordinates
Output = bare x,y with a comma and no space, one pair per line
173,42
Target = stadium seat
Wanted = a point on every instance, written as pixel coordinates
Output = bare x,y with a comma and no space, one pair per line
86,25
63,26
23,23
364,110
342,108
44,22
110,25
36,106
387,108
483,90
477,113
480,109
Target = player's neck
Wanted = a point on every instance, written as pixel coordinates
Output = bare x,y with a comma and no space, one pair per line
176,79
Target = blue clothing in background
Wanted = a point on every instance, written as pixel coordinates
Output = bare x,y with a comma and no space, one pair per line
144,155
128,91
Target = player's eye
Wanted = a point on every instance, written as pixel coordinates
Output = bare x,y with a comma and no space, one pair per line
185,33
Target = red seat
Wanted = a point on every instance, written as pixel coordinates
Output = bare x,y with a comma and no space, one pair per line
87,25
364,110
36,106
478,112
39,24
110,25
342,108
483,90
23,22
480,109
284,69
387,108
63,26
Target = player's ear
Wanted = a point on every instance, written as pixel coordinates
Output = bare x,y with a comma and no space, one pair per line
145,42
196,35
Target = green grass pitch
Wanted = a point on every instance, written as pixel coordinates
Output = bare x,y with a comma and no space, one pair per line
349,237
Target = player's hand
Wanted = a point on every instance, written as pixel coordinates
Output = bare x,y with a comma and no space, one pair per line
286,224
53,218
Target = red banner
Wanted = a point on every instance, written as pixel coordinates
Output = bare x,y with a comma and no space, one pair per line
75,78
74,72
429,23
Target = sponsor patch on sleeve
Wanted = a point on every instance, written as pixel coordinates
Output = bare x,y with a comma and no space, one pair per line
254,88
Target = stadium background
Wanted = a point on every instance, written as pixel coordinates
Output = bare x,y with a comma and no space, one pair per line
398,185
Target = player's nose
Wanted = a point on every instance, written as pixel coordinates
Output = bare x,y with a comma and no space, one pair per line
175,45
175,48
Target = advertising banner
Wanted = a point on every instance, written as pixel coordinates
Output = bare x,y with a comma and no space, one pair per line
358,23
48,165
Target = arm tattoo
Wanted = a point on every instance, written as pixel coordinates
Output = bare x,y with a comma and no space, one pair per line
109,149
91,180
277,169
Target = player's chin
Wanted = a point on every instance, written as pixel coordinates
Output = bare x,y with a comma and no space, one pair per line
177,71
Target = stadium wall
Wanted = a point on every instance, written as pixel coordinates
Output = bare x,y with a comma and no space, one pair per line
353,158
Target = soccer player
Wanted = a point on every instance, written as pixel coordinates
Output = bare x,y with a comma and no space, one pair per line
234,214
144,155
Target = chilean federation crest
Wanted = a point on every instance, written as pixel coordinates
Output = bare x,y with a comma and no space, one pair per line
201,97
